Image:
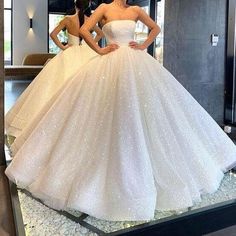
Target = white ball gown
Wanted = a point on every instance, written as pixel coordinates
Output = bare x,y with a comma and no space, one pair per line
46,84
121,139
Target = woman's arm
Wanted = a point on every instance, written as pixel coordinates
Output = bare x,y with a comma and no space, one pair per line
89,26
56,31
99,33
151,24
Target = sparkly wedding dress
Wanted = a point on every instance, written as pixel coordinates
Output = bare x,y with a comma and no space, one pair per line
46,84
121,139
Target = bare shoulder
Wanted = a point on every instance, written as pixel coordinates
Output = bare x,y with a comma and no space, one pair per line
136,8
65,20
102,7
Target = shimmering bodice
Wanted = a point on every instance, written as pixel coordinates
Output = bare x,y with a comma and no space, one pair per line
73,40
119,31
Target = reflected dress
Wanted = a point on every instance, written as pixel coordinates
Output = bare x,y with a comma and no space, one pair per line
46,85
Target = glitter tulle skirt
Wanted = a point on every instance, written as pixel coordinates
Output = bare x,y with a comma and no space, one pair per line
44,87
121,139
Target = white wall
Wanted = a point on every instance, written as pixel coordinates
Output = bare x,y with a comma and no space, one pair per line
26,40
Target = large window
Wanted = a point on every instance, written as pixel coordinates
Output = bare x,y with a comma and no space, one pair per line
57,9
8,32
54,20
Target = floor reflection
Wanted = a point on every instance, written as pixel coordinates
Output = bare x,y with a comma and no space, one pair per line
13,89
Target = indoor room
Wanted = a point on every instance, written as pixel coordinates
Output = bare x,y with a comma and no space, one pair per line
118,117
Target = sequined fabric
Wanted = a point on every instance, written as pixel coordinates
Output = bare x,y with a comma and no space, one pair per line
46,84
121,139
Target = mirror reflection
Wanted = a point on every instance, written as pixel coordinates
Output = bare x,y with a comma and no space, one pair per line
118,115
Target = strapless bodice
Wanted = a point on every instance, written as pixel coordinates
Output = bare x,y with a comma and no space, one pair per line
73,40
119,31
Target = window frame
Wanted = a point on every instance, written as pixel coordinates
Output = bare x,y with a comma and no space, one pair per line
11,10
51,13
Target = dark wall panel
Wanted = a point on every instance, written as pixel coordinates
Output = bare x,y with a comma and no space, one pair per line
188,52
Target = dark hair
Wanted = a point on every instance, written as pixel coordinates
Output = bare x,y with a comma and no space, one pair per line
84,10
84,7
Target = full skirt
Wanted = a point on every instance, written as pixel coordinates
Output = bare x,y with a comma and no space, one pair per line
121,139
45,86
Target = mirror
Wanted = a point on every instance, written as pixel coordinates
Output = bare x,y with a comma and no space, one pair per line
184,47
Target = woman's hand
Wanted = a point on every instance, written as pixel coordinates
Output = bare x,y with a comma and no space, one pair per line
109,48
135,45
65,47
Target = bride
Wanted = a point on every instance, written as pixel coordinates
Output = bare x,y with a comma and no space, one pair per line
122,138
55,73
